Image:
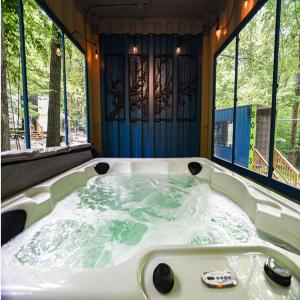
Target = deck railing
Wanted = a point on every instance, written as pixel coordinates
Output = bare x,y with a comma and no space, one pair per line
38,132
283,169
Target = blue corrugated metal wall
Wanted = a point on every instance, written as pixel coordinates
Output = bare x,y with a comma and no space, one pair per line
242,135
172,132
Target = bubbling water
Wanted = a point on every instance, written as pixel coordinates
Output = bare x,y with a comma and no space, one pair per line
115,216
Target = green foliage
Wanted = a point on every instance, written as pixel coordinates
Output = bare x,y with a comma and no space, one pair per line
12,43
288,53
38,35
75,65
225,77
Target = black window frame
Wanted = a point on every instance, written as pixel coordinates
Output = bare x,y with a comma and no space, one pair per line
64,32
268,181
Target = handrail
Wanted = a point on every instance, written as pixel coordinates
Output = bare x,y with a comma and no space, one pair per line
260,165
39,128
261,157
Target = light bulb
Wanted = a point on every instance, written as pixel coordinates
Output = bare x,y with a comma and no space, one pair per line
218,32
218,29
58,50
178,50
96,54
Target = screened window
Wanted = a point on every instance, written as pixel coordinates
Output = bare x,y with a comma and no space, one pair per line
225,72
286,160
51,108
263,110
43,62
223,133
76,94
12,123
254,90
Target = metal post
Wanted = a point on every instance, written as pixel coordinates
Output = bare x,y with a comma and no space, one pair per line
65,87
87,101
274,90
24,75
214,108
235,99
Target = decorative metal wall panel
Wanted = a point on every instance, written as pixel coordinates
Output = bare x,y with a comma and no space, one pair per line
163,87
114,87
187,87
138,87
145,123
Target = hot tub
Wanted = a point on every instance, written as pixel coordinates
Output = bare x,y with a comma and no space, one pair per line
101,236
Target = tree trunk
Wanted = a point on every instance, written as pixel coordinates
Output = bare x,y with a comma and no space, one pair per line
5,135
53,132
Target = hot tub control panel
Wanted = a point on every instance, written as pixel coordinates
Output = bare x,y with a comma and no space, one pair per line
219,279
188,275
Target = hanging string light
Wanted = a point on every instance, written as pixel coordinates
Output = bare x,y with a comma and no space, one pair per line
245,3
178,50
134,49
218,29
57,43
58,49
91,42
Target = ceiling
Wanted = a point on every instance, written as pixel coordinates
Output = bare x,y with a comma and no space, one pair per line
157,16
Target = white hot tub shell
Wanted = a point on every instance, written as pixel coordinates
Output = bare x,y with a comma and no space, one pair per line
273,215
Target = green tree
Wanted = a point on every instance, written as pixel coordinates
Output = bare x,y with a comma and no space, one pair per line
53,134
75,65
289,72
5,135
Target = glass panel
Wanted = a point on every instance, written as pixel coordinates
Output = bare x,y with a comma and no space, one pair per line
12,124
225,71
62,108
43,58
254,93
75,72
286,161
